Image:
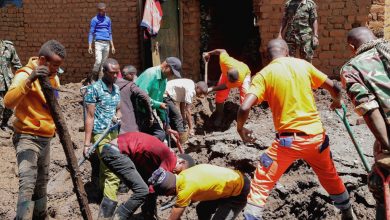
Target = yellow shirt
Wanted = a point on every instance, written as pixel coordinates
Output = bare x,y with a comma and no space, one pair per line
207,182
226,62
286,84
31,111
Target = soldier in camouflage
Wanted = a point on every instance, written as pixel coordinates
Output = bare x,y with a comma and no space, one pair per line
300,21
8,59
366,77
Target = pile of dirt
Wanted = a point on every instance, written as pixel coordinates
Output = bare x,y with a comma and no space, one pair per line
298,194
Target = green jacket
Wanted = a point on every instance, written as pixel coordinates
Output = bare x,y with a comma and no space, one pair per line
8,59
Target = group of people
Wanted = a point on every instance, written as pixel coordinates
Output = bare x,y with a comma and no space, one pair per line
137,153
137,149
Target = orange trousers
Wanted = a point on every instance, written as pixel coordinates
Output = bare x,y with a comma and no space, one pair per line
314,149
222,95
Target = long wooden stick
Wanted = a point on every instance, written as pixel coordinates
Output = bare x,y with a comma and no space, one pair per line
206,68
67,144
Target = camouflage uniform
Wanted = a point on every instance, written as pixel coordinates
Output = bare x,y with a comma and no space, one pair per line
8,59
300,16
366,77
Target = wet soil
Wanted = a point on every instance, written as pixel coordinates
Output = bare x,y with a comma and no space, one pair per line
298,194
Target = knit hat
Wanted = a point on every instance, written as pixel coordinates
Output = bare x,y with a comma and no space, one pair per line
162,181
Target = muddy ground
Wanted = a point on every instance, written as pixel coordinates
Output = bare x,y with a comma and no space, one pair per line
298,194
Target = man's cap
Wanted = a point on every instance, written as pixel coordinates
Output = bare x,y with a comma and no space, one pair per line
175,65
162,181
101,5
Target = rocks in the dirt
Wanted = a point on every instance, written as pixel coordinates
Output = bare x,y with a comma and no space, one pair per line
6,142
243,152
360,121
241,157
362,195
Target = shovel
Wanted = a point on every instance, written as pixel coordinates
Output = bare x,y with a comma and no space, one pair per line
62,174
386,190
83,91
345,121
206,64
168,204
174,133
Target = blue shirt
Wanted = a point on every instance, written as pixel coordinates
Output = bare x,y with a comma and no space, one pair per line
105,103
100,28
153,82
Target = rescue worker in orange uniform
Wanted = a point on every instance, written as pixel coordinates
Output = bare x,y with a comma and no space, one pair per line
286,84
234,74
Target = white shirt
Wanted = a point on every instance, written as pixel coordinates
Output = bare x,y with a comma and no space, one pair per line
181,90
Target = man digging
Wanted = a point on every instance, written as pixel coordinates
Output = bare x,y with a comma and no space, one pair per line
234,74
222,192
154,81
367,81
133,157
182,92
287,83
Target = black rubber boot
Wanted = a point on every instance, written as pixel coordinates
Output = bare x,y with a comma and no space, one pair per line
24,210
107,208
219,114
122,213
348,214
380,211
40,209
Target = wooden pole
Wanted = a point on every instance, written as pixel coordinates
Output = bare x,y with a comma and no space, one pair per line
206,70
67,144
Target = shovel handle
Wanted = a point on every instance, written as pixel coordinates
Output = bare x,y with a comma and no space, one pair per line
168,204
206,65
95,145
83,91
176,135
343,117
386,190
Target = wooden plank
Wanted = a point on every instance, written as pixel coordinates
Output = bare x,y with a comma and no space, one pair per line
67,144
181,33
168,36
141,34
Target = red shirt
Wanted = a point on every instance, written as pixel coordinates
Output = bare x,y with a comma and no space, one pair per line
147,153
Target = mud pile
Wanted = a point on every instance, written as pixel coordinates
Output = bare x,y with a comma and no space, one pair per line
298,194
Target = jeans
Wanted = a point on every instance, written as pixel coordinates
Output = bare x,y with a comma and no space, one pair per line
227,208
33,158
102,49
154,130
125,169
175,119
